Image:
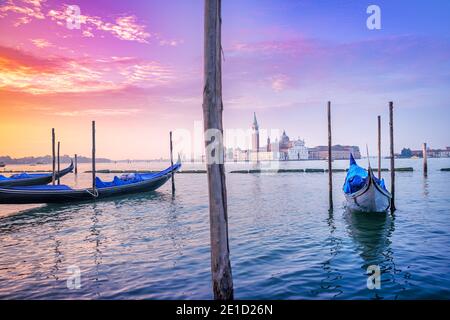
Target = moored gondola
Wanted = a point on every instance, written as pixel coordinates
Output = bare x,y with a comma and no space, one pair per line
363,191
32,179
63,194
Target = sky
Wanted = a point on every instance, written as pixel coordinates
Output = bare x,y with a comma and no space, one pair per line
135,67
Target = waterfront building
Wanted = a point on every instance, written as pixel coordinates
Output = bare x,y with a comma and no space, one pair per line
283,146
338,152
241,155
283,149
229,154
432,153
298,151
255,134
263,156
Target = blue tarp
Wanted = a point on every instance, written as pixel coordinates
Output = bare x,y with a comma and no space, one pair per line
117,181
45,187
357,177
135,178
23,175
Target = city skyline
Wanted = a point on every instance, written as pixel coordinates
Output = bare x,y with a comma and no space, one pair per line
124,69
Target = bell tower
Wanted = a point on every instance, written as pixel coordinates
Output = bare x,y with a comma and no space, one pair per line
255,134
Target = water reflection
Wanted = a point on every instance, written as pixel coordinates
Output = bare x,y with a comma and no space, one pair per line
95,238
372,234
331,283
174,227
37,216
425,187
58,212
58,255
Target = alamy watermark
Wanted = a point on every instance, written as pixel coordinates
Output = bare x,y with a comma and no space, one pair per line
374,279
374,20
73,20
74,278
213,146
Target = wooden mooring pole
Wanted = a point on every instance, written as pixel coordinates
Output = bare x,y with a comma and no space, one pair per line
425,156
379,147
59,163
391,133
53,157
171,162
330,159
76,163
222,279
93,156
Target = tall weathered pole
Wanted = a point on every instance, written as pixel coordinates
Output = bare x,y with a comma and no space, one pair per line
212,116
93,156
53,157
425,156
171,162
391,133
59,163
379,147
330,159
76,163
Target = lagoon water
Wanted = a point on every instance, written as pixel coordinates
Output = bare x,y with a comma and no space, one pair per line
284,243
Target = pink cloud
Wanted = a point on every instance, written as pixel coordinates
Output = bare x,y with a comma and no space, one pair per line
291,47
172,43
28,8
392,59
26,73
124,28
88,34
22,20
41,43
279,82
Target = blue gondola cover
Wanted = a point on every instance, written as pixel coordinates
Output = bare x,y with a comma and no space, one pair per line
23,175
357,177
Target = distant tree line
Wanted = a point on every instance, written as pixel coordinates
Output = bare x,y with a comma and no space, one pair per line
406,153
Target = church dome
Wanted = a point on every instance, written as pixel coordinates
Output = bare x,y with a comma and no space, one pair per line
284,137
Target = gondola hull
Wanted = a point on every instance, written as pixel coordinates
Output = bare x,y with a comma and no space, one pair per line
24,195
36,180
371,198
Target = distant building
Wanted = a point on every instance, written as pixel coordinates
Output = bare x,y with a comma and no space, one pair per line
229,154
406,153
241,155
249,155
263,156
255,134
298,151
432,153
338,152
284,149
283,146
416,153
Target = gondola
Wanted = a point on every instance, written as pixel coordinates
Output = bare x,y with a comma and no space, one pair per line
33,179
363,191
132,183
